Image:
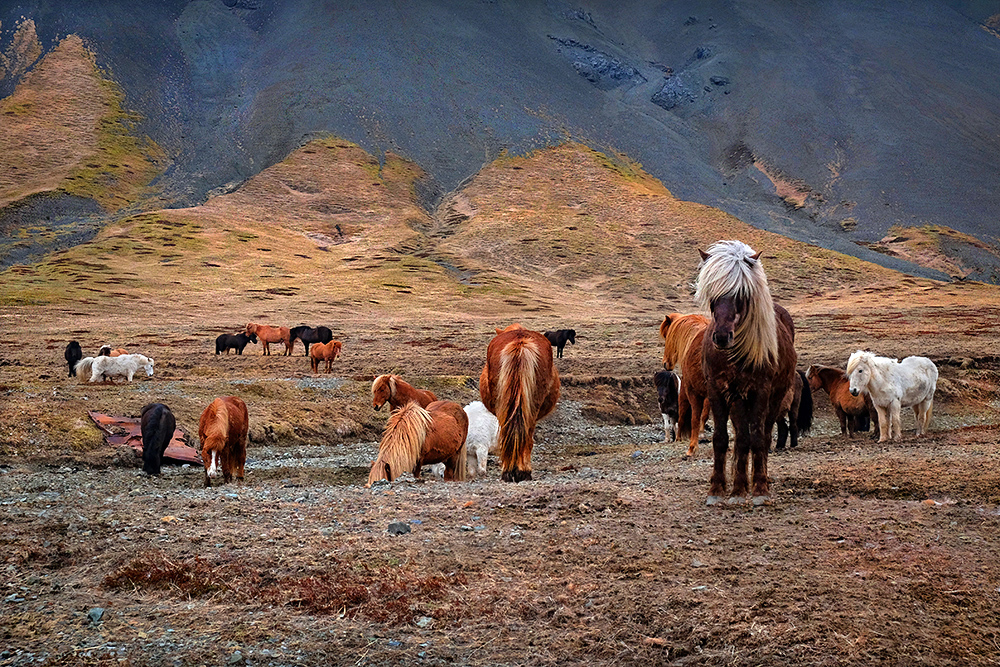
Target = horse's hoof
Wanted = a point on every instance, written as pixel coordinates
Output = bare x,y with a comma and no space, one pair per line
713,500
761,501
735,500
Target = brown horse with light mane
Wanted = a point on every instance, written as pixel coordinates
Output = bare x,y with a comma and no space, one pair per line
395,391
854,412
222,430
748,359
520,385
680,335
268,334
416,436
327,352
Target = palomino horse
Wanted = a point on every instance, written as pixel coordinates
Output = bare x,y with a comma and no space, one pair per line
749,364
395,391
327,352
520,385
893,385
681,336
854,412
416,436
157,424
222,430
267,335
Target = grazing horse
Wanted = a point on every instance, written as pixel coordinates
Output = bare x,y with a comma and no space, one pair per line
327,352
893,385
126,365
415,436
520,385
73,354
479,443
82,368
157,424
267,335
855,413
397,392
308,336
226,342
222,430
667,386
682,337
558,339
795,417
749,364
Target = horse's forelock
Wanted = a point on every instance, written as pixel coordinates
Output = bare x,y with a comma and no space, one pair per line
856,358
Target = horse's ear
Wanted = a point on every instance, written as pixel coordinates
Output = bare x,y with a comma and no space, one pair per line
499,330
704,255
757,256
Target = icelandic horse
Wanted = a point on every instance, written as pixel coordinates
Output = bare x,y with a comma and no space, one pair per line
682,335
855,413
893,385
267,334
520,385
748,358
397,392
415,436
222,431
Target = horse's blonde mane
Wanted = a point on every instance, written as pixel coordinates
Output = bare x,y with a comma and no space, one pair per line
401,443
677,331
731,269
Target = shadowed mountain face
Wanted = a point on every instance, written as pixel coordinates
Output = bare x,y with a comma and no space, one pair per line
829,122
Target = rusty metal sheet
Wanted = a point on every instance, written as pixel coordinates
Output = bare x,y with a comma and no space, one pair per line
128,431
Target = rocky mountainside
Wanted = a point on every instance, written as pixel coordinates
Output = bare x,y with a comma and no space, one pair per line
851,127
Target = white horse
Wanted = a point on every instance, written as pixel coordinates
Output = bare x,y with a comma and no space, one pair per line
893,385
126,365
479,443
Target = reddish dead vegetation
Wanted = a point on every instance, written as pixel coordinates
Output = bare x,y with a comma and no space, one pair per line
383,594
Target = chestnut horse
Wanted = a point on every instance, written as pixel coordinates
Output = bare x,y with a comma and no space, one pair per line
681,336
520,385
748,357
397,392
267,334
327,352
416,436
856,413
222,431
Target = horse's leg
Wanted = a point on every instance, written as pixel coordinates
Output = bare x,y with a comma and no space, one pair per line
883,423
697,421
896,420
927,413
782,433
846,424
745,423
720,448
760,443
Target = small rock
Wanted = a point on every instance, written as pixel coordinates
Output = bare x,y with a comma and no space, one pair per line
696,563
95,615
424,622
398,528
236,659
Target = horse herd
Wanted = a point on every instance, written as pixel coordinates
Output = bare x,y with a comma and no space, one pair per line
738,365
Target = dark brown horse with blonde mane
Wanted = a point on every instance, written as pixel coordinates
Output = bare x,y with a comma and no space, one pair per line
222,430
395,391
417,436
748,357
520,385
681,336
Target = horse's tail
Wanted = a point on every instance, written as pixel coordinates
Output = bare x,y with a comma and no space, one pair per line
401,443
805,417
462,465
519,362
83,368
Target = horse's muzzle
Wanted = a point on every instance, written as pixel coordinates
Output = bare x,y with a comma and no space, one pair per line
722,340
854,392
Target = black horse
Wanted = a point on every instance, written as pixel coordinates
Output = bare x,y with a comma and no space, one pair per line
559,338
797,420
667,386
73,355
226,342
308,336
157,423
